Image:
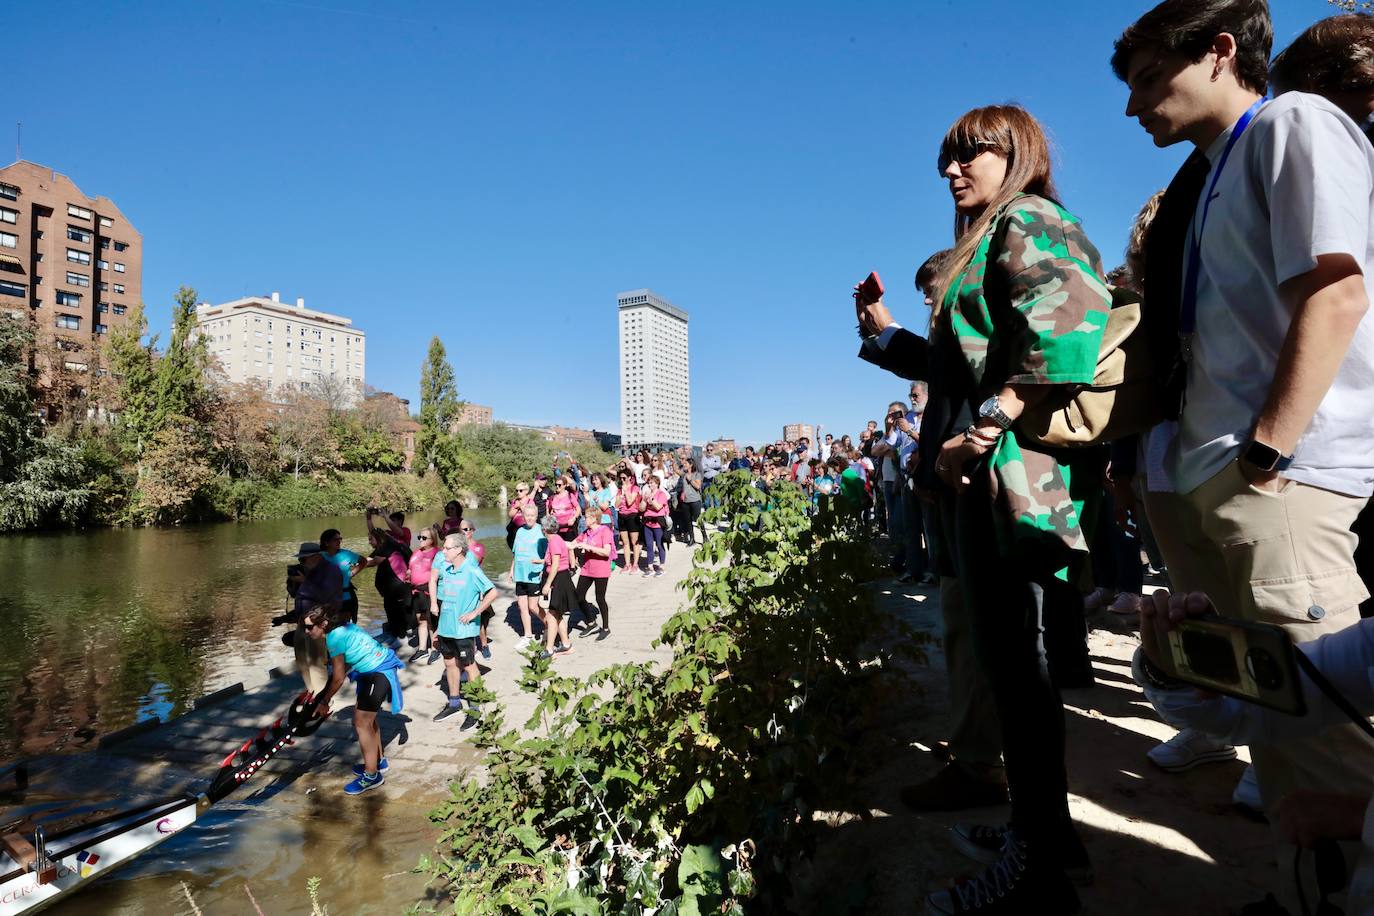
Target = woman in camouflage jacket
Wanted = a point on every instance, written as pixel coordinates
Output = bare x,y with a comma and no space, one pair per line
1022,308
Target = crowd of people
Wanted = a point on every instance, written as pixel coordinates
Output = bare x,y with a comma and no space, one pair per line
1242,467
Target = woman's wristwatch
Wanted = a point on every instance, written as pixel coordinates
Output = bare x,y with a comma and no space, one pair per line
991,409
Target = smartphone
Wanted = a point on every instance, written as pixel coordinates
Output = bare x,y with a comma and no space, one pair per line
871,290
1251,661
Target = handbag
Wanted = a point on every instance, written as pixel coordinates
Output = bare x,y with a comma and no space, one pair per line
1124,399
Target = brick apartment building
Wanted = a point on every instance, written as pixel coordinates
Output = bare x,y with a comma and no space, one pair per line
73,263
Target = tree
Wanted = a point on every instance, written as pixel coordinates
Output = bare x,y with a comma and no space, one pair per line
127,390
304,438
180,380
175,471
439,404
41,479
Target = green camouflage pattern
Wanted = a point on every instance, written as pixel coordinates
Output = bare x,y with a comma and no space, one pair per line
1031,309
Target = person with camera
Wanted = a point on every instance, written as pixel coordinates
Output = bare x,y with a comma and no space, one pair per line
1266,233
1345,658
319,581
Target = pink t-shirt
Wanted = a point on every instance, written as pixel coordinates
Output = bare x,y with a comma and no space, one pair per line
420,562
557,548
627,501
594,567
477,550
656,506
564,507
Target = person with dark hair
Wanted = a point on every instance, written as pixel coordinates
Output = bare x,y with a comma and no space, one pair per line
356,656
417,576
391,559
558,592
1272,459
348,563
1334,58
453,518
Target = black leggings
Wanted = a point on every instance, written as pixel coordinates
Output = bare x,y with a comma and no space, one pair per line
583,584
691,511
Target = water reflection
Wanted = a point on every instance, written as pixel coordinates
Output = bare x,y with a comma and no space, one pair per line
99,629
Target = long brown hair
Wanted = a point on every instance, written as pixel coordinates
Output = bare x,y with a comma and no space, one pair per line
1011,131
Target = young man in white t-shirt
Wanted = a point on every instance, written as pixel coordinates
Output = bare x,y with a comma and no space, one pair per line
1274,456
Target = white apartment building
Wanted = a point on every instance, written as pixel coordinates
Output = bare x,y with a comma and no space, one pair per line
272,341
655,381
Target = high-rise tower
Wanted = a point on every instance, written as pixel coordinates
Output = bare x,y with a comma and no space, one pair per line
655,381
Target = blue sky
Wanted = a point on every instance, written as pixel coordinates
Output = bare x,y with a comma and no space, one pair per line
496,173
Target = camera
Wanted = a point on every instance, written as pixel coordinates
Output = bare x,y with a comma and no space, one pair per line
1251,661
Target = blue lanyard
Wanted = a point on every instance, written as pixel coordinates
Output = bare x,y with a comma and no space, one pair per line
1187,319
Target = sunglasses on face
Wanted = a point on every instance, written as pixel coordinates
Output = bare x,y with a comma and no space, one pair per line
962,152
468,530
424,537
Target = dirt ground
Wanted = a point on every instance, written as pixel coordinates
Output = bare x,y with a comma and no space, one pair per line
1160,843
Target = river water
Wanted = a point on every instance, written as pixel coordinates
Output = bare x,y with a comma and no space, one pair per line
100,629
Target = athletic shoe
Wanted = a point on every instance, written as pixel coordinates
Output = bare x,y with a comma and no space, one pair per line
434,656
358,768
419,654
605,631
1125,605
658,573
1189,748
904,579
1014,885
928,579
1097,597
522,642
414,641
447,712
589,630
485,649
647,574
545,653
987,844
363,783
1246,795
469,723
562,650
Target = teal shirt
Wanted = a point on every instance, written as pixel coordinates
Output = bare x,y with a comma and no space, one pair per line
360,651
530,544
345,560
460,589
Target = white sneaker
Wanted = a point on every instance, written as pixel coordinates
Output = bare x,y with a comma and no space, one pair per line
1187,749
522,642
1097,597
1247,793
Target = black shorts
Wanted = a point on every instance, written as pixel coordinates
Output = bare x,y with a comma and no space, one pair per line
419,604
527,588
373,690
631,523
465,649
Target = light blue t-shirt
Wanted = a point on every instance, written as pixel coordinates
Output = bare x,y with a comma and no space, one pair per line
345,559
530,544
605,498
360,651
460,589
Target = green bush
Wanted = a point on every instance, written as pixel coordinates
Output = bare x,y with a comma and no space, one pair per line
687,788
332,495
482,459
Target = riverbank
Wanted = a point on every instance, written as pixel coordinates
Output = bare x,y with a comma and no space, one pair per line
294,822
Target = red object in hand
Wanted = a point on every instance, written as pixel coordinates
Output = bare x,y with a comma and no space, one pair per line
871,290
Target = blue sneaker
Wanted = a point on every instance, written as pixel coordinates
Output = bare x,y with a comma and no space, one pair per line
363,783
381,768
485,650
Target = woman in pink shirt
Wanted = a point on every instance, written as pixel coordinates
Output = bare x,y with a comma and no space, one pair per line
655,519
629,504
558,591
417,574
565,507
595,549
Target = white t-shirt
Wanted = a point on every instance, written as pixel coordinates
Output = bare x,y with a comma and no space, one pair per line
1299,183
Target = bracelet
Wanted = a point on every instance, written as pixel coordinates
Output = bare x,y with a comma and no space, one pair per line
1152,675
974,434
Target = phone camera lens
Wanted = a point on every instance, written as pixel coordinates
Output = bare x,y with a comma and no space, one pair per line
1264,668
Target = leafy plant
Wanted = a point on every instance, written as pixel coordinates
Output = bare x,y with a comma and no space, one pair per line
688,787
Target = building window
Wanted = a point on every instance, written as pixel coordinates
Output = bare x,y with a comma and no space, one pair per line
106,222
104,287
78,257
9,240
119,287
9,191
119,268
103,265
104,243
120,246
11,289
77,234
102,328
102,307
76,279
70,322
71,300
120,310
10,265
78,212
9,216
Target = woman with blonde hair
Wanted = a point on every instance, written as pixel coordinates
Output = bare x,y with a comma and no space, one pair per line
1020,312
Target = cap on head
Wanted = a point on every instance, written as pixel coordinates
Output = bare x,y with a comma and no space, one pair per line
308,549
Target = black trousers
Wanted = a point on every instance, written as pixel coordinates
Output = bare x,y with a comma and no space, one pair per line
583,584
1010,593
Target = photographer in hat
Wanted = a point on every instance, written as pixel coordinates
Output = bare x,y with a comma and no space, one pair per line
318,582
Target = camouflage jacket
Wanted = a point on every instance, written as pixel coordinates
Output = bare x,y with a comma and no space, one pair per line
1030,309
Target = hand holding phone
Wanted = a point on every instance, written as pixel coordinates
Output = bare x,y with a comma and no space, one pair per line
870,290
868,304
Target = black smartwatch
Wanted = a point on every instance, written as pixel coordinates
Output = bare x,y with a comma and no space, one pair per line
1265,457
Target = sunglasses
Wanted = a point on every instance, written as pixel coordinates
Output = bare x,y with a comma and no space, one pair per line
424,537
468,530
962,152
